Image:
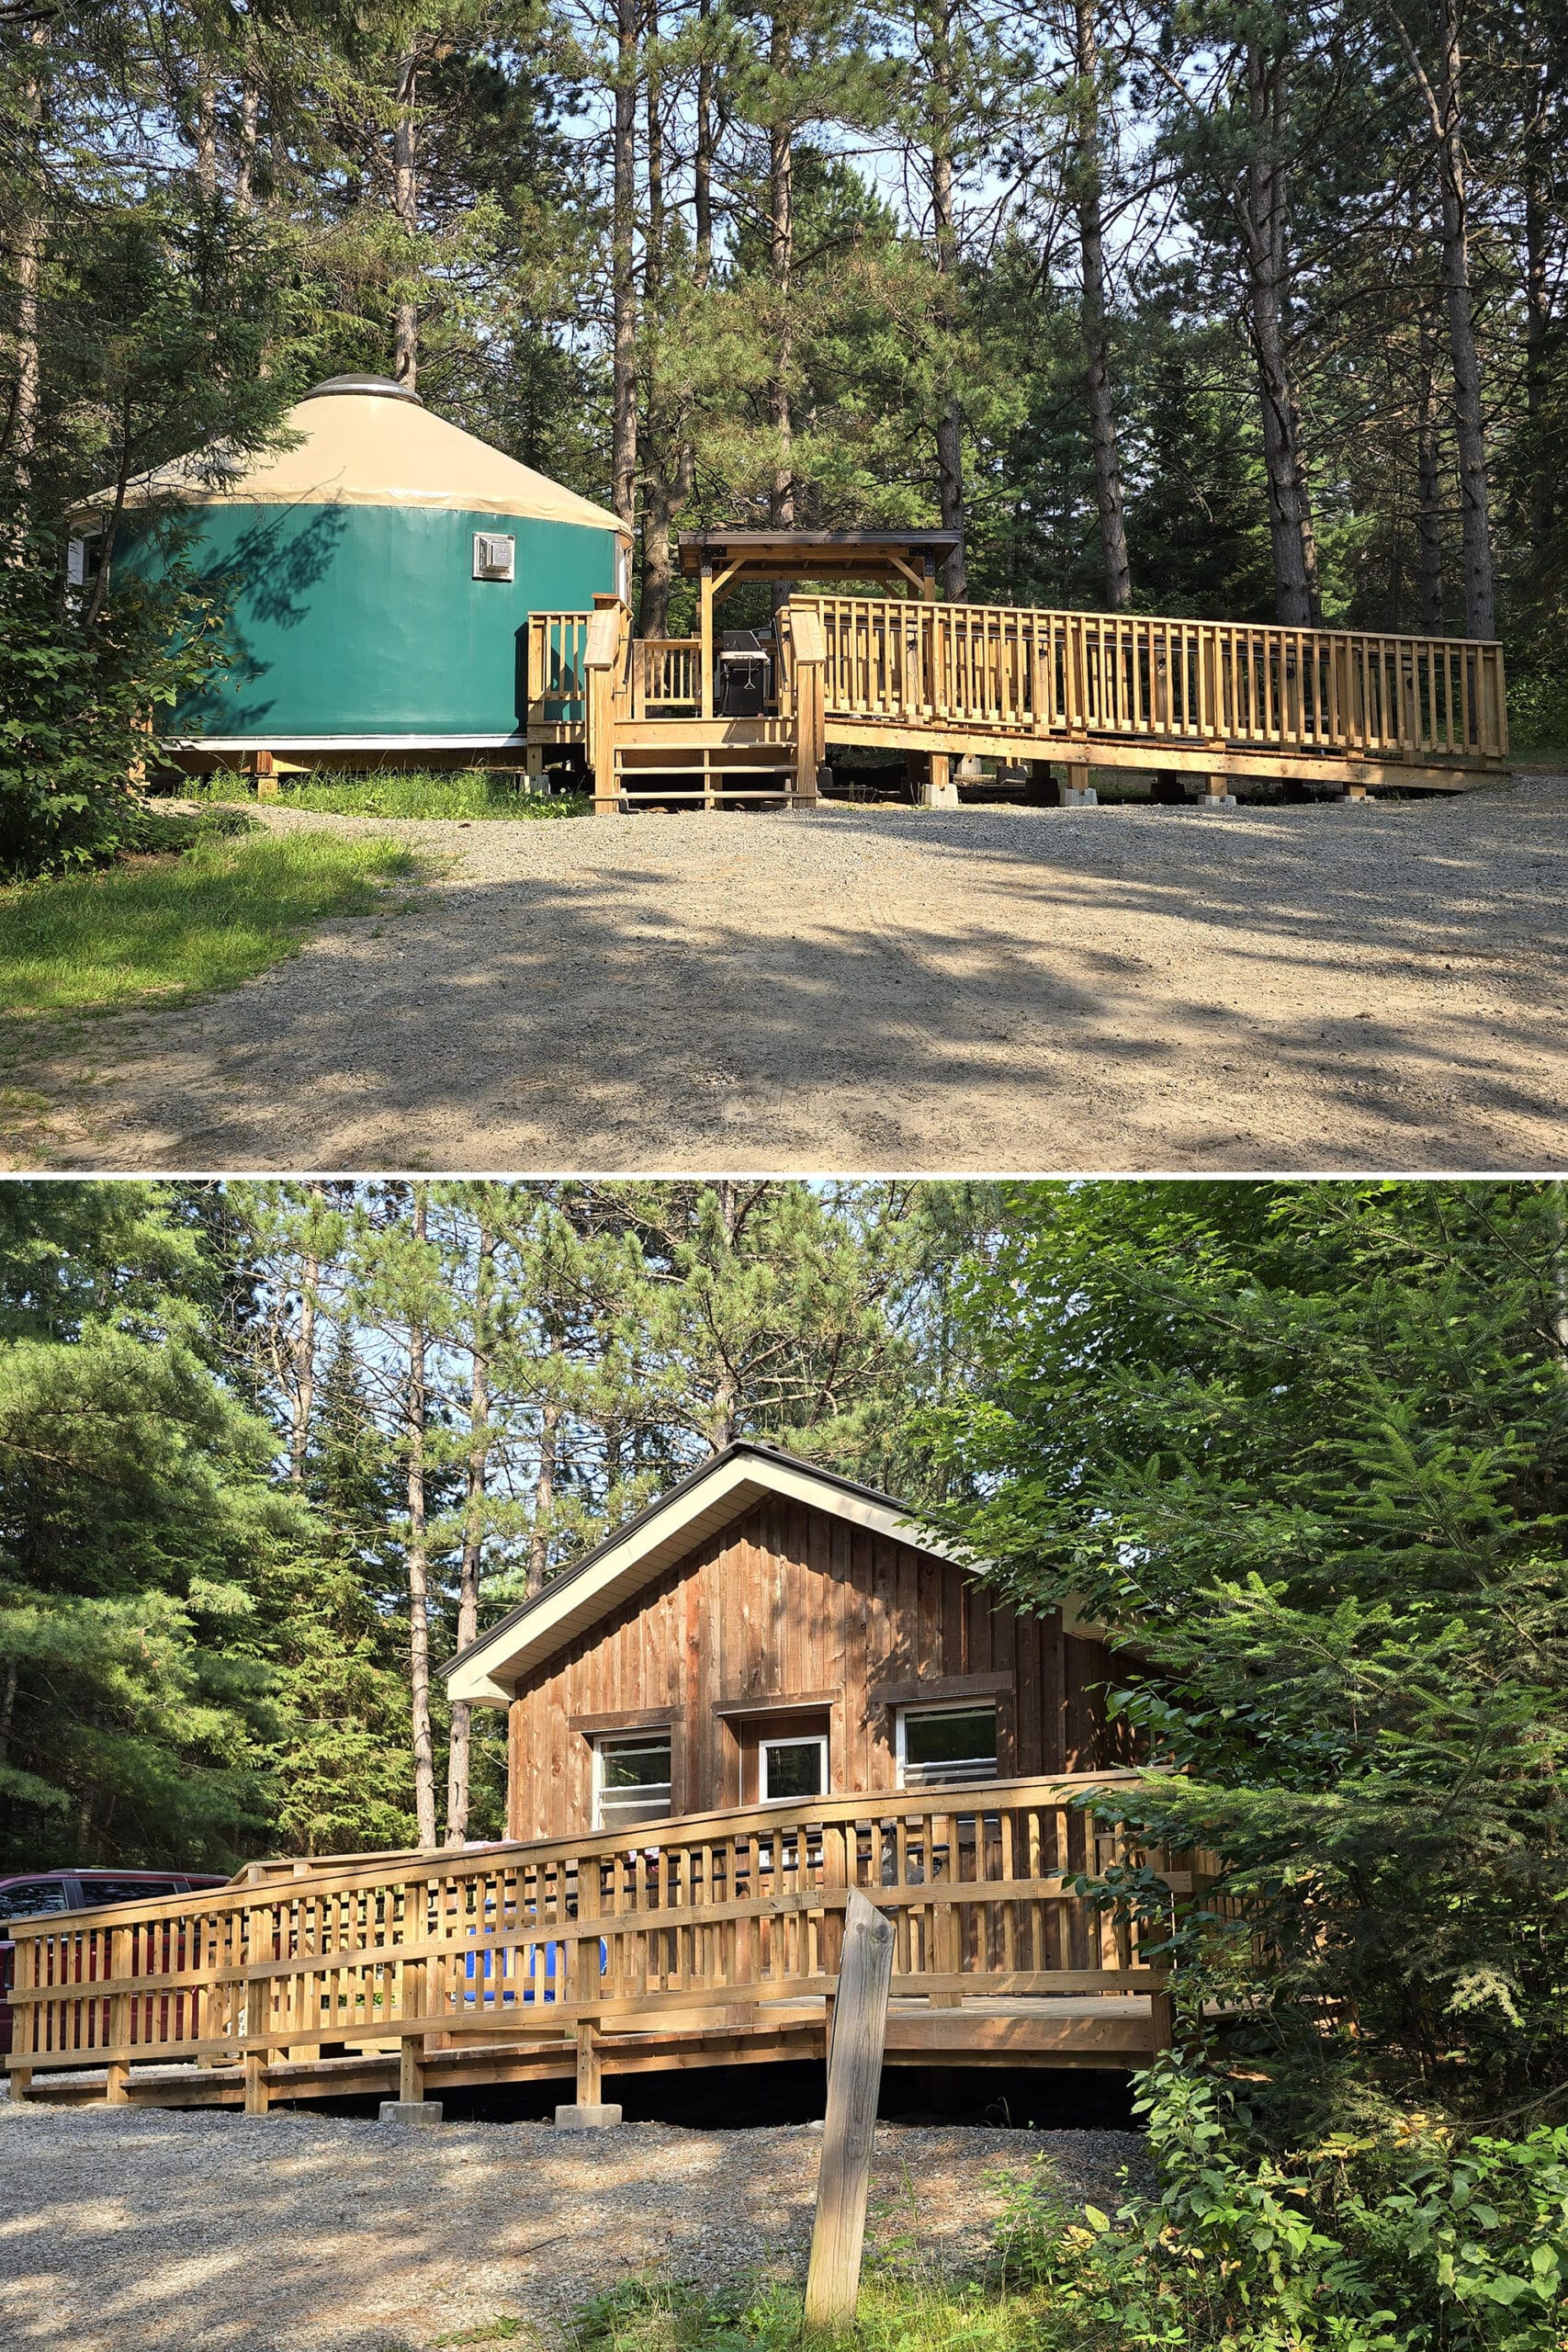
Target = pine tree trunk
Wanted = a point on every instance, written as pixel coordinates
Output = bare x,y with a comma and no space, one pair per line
950,422
1442,95
781,262
1429,494
544,1500
1263,218
477,1480
405,205
206,137
1102,433
245,163
419,1563
1538,308
702,166
1538,175
667,470
623,279
20,437
304,1371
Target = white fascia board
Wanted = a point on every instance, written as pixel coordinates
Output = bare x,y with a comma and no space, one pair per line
517,742
488,1675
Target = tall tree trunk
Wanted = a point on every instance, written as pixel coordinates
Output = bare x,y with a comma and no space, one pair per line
1442,95
949,422
667,472
7,1707
476,1483
622,266
20,436
702,164
206,135
245,161
1429,492
1537,174
419,1560
304,1370
1263,218
405,204
1093,313
544,1499
781,262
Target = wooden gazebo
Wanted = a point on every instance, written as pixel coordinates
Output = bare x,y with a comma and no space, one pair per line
720,558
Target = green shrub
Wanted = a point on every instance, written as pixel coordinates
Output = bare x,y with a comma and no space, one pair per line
1537,711
75,699
1403,2241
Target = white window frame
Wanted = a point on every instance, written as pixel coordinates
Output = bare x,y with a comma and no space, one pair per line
789,1739
649,1739
967,1777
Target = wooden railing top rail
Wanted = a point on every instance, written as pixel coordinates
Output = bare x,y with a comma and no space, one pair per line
919,609
320,1877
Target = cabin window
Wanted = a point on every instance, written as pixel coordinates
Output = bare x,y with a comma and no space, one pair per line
631,1778
795,1766
944,1746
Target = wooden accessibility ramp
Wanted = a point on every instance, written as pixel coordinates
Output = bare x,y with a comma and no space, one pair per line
1047,695
711,1941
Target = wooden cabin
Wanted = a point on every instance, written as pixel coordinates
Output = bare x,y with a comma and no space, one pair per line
768,1632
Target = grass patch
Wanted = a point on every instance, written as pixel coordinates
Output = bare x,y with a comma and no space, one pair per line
503,2330
178,927
469,796
908,2315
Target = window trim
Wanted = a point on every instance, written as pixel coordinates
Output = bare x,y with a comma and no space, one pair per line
945,1707
790,1739
647,1736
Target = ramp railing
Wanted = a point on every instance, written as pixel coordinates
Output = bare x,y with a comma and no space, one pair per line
1055,678
730,1913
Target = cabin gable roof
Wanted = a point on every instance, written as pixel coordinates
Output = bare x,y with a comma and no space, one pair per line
675,1524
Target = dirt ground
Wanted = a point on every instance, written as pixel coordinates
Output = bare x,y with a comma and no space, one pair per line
1311,988
143,2231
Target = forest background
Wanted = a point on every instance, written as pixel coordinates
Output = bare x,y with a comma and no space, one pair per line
1229,307
271,1449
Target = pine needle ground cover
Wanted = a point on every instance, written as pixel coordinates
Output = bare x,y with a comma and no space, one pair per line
171,928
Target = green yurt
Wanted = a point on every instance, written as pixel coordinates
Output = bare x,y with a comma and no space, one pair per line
387,564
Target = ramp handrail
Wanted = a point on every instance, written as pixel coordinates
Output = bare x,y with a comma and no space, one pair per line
729,1910
1055,678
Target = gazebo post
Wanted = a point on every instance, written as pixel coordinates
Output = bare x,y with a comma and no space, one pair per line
704,594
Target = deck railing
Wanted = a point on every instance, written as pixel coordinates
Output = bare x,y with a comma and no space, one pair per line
729,1911
666,676
1058,677
555,677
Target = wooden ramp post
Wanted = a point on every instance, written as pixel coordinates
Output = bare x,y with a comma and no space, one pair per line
854,2078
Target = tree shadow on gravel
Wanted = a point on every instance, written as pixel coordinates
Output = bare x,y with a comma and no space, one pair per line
1046,994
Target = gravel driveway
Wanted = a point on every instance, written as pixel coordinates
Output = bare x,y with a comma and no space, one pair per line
141,2230
1323,987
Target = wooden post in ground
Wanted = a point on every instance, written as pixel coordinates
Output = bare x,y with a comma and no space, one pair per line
264,767
1078,792
854,2078
256,2022
118,2071
1162,2021
602,648
810,650
1216,793
589,2111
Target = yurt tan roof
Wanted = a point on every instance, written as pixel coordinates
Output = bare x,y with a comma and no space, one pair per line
363,441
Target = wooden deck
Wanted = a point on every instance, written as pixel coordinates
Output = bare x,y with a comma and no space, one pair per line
1223,701
699,1943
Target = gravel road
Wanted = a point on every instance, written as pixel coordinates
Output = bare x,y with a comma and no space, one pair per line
1323,987
141,2230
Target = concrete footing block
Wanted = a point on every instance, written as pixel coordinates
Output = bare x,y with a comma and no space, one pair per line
1089,798
939,795
1217,800
586,2119
416,2114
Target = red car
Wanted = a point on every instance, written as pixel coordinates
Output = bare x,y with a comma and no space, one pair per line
21,1898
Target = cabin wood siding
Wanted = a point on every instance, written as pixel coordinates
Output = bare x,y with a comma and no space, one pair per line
792,1603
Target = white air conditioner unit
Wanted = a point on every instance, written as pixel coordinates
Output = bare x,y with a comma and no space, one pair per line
495,558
